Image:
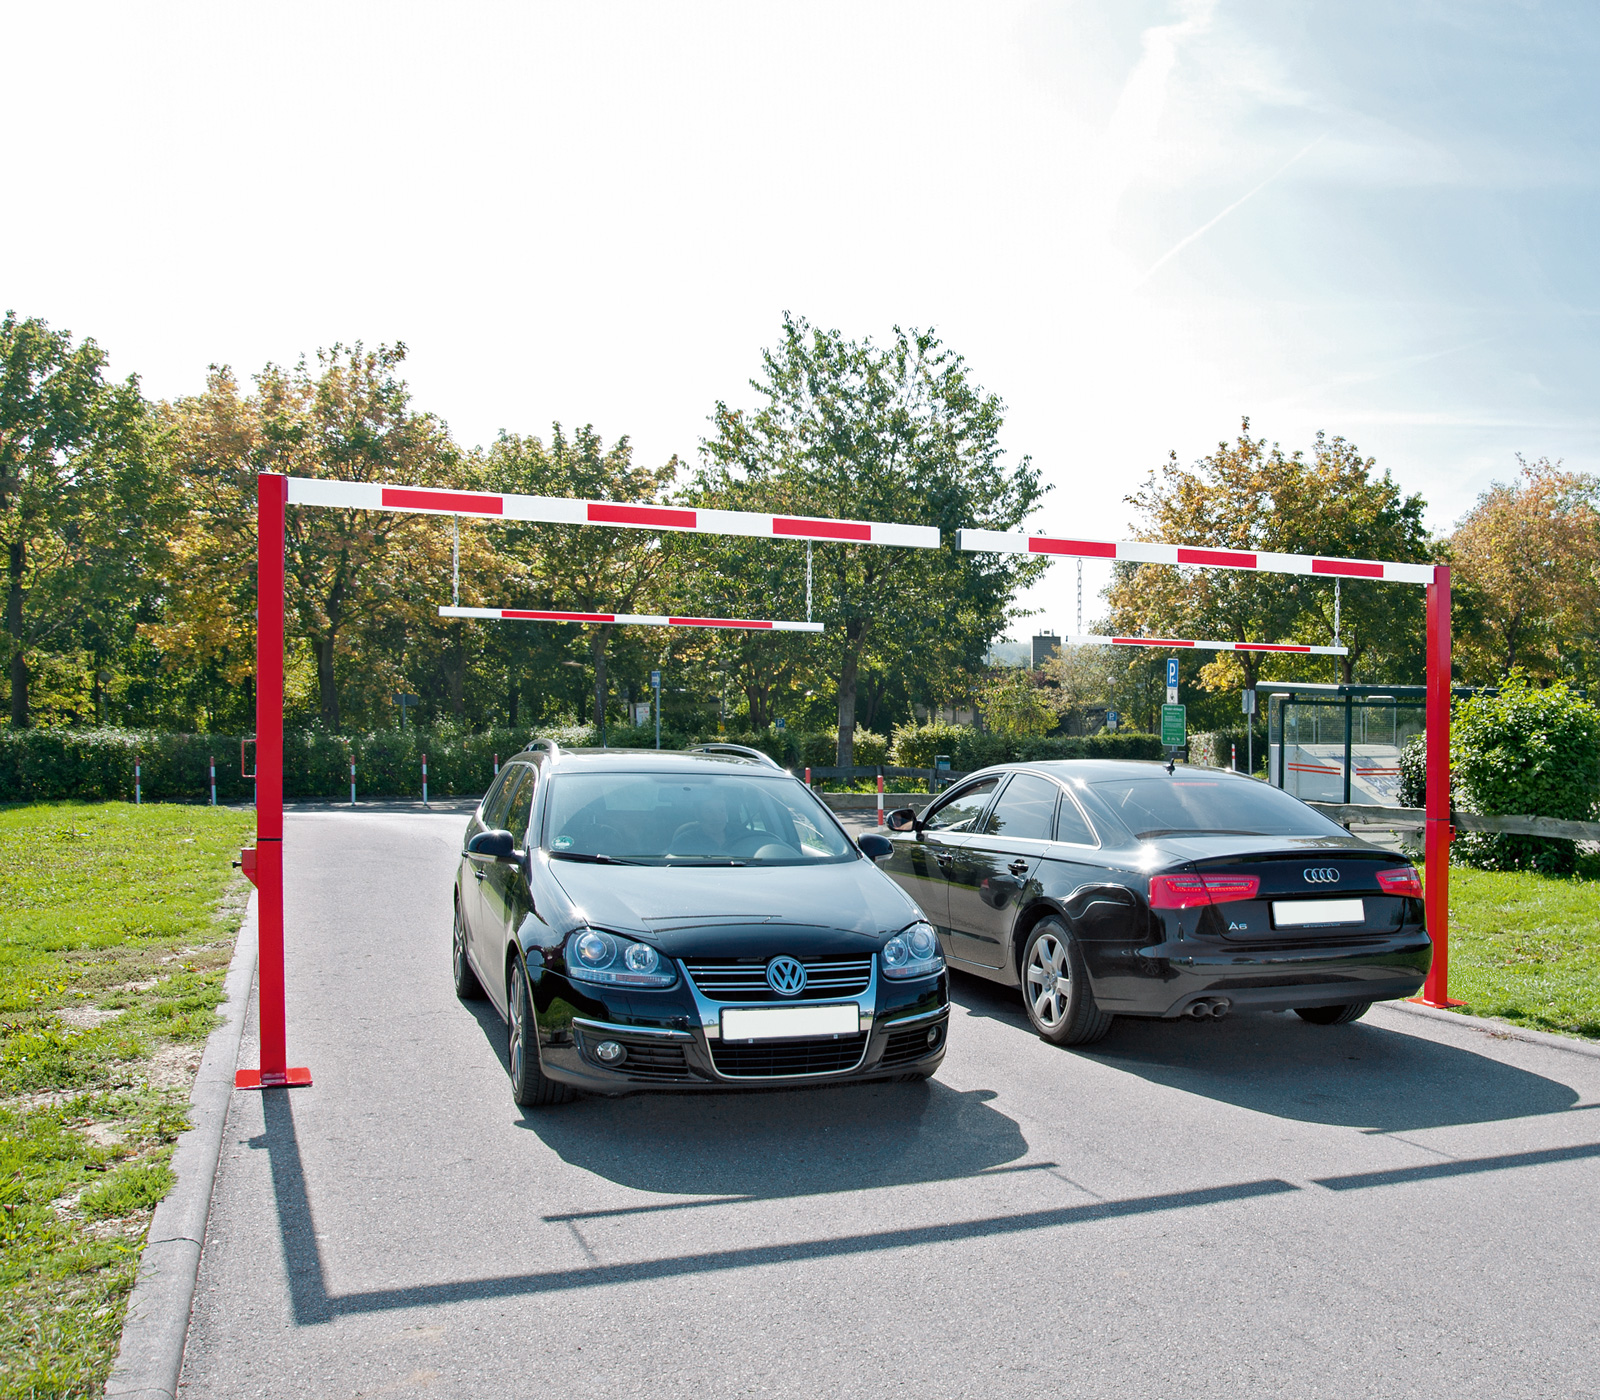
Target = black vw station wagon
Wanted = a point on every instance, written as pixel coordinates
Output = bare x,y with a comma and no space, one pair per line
663,920
1106,889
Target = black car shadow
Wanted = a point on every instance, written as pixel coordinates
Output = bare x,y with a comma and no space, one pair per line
1356,1076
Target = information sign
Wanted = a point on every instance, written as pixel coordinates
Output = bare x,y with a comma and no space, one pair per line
1174,726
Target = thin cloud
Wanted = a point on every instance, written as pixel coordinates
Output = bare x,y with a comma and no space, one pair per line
1211,223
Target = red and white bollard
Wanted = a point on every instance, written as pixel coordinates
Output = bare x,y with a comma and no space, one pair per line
424,780
1233,757
136,798
213,780
880,799
808,776
497,765
352,782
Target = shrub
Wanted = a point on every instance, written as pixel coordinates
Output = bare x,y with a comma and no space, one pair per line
1414,772
1529,751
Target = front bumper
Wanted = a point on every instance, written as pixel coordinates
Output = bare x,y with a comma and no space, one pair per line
671,1040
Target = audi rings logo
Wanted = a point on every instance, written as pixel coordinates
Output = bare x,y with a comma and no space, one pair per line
1317,875
786,977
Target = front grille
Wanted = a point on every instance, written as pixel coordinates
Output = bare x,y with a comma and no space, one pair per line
827,979
779,1059
907,1046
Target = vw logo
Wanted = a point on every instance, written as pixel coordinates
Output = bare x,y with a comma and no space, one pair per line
786,977
1321,875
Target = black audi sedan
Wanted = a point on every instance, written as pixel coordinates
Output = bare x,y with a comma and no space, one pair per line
1105,889
662,920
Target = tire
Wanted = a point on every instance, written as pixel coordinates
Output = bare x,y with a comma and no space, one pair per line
468,988
529,1087
1055,988
1333,1015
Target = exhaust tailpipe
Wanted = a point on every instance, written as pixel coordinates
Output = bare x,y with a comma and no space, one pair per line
1208,1008
1220,1008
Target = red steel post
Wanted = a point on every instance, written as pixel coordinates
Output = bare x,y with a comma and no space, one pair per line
1436,830
272,494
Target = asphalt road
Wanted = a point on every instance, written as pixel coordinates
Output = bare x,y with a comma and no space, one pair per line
1257,1207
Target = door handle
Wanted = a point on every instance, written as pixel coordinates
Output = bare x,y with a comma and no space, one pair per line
1018,867
945,861
477,873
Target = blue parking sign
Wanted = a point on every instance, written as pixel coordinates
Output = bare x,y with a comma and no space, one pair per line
1172,670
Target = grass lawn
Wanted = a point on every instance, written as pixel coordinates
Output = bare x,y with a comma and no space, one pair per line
1526,947
116,927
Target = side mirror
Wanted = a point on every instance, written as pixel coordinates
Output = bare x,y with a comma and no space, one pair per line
901,819
875,847
492,843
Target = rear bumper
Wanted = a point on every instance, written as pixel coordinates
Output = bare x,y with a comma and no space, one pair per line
1278,979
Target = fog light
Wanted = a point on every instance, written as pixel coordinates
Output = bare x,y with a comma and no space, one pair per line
610,1052
933,1035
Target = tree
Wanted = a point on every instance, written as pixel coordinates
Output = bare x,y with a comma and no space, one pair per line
579,568
80,506
1246,496
898,433
1527,562
1012,704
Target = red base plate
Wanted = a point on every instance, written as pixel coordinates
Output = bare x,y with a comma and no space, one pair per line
296,1077
1420,1001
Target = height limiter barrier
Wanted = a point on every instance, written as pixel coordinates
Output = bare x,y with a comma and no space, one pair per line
263,862
1435,577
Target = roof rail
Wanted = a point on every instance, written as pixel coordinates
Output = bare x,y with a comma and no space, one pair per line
742,750
549,744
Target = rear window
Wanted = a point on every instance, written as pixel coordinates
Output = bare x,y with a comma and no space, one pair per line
1192,806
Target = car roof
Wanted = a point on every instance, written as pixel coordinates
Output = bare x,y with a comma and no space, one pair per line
1095,770
648,760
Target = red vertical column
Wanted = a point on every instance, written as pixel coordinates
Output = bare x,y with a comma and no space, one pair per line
1436,830
272,495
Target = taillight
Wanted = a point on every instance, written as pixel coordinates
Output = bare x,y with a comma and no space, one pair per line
1191,891
1404,882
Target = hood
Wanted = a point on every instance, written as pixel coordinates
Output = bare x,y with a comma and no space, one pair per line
680,909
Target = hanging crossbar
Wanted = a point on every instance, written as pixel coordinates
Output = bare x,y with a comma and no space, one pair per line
562,510
628,619
1167,643
1141,552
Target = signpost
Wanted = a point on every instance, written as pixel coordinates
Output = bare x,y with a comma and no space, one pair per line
405,702
1174,726
655,687
1172,680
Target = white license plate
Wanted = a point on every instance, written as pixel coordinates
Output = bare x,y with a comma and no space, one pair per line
1286,914
785,1022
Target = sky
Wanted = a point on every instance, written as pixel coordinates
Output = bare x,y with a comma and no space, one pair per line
1138,220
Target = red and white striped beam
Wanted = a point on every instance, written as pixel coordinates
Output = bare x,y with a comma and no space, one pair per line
1168,643
629,619
1133,551
562,510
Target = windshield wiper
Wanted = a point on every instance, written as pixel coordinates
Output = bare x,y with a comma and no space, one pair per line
696,864
593,858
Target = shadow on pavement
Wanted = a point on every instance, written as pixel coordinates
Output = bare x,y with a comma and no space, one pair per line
1355,1076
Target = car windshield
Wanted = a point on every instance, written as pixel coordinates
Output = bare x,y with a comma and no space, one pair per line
1195,806
689,819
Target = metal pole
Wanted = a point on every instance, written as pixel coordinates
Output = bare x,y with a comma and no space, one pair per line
213,780
352,782
272,494
424,780
138,799
1349,712
1436,828
880,797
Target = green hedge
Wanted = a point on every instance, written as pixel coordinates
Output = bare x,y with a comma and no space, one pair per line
916,746
1528,751
97,764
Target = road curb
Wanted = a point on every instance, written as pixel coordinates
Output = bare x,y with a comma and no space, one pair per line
157,1321
1501,1030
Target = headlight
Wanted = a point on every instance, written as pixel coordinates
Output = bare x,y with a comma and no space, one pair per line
593,956
914,952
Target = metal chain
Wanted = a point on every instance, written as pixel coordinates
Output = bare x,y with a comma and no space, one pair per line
1080,597
1336,641
455,564
808,580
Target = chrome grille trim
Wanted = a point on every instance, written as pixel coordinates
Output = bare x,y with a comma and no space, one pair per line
826,979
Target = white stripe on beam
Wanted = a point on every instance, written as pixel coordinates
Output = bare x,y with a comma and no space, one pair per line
561,510
1168,643
628,619
1146,552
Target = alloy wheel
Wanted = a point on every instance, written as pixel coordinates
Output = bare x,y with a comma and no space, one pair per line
1048,980
515,1049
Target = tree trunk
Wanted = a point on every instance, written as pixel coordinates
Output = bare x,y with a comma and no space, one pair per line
19,663
597,651
758,697
327,690
848,672
458,676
